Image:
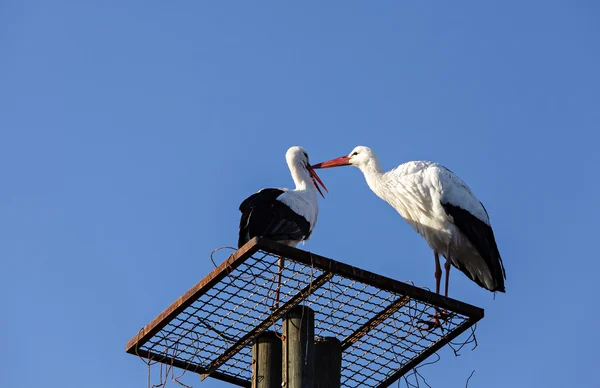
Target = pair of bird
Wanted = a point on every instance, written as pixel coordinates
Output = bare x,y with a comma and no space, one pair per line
430,197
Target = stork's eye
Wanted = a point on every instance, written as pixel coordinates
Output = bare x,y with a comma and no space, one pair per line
306,155
353,154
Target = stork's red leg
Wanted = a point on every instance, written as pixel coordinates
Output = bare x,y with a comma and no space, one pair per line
281,264
443,315
447,267
438,272
438,279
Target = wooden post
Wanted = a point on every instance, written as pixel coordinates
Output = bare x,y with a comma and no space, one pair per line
328,363
266,361
298,353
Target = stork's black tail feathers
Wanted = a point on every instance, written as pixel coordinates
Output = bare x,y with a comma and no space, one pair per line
482,238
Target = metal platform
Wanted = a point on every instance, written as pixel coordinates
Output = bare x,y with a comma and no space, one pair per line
209,329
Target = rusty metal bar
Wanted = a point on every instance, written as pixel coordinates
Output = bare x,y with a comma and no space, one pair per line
191,295
370,278
248,337
375,321
428,352
335,272
191,368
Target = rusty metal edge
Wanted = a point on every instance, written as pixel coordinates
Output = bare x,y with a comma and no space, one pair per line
375,321
367,277
317,283
428,352
184,301
192,368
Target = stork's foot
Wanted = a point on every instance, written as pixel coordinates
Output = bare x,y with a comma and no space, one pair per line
438,319
429,325
443,315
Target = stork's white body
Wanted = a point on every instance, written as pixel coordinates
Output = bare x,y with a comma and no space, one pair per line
302,201
417,190
441,208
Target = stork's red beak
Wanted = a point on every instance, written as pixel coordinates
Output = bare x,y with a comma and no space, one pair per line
341,161
316,181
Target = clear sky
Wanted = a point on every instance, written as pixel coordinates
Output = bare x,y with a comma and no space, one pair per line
132,130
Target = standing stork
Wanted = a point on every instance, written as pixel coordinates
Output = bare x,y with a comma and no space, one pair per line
284,215
442,209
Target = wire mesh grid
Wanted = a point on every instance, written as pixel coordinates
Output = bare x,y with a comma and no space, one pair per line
209,330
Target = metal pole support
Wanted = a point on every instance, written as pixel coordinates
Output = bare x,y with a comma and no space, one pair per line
298,353
328,362
266,361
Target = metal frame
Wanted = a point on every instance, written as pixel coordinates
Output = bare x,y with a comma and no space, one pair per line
330,268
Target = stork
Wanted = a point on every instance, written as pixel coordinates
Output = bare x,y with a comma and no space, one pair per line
442,209
284,215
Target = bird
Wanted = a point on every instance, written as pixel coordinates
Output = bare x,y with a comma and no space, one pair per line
287,216
442,209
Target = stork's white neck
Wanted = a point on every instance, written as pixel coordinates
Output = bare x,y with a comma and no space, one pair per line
301,178
371,169
303,200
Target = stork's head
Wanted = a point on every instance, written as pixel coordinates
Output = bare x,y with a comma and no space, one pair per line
360,157
297,156
297,160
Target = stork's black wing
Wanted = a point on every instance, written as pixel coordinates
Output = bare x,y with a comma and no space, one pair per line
264,216
482,238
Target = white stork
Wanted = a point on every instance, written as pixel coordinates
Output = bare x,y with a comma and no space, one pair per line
442,209
284,215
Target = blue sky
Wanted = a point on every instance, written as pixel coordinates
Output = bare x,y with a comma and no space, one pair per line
131,131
